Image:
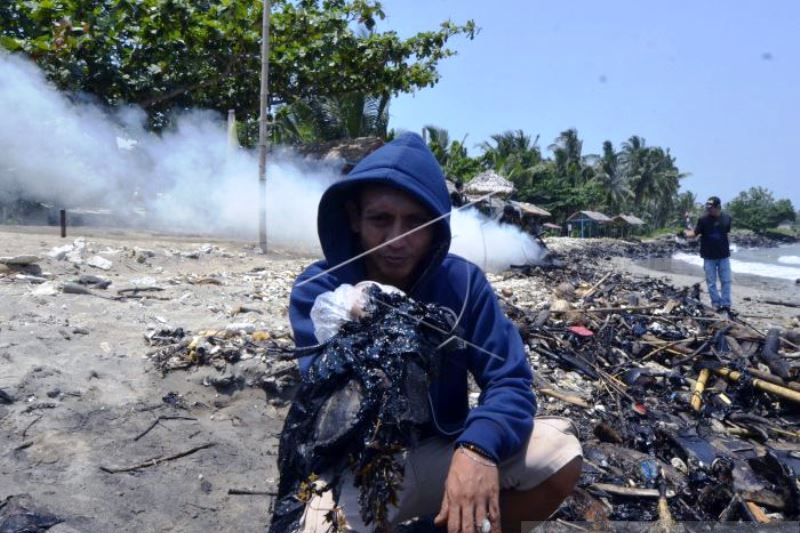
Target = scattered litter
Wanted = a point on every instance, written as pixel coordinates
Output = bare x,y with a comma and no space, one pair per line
706,398
99,262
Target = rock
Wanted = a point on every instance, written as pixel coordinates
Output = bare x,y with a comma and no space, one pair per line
4,268
48,288
565,291
560,306
508,293
678,464
240,326
99,262
20,260
60,252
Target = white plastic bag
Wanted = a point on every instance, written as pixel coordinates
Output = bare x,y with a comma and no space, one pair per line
333,308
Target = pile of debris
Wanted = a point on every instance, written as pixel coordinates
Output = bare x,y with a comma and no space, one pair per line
684,414
240,354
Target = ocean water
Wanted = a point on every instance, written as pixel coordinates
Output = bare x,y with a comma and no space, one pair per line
777,268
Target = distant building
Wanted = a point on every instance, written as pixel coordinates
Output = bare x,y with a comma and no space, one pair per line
626,225
589,224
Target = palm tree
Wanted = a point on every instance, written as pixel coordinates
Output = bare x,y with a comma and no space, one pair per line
333,117
568,154
451,155
611,180
512,154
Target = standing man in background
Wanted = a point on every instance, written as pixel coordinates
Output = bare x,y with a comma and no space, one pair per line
713,229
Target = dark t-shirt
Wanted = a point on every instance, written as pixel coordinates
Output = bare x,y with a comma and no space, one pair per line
713,234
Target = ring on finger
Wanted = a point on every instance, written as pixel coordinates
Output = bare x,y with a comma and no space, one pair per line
486,526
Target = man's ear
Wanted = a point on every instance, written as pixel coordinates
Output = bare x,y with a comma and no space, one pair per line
353,215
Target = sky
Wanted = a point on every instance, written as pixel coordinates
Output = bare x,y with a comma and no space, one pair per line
717,82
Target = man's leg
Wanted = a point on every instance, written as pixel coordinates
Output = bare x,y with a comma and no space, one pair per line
725,277
533,482
538,503
710,267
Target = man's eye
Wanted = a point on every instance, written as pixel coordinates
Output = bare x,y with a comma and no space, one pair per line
378,219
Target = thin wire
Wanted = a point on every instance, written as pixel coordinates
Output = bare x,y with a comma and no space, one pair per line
444,332
390,241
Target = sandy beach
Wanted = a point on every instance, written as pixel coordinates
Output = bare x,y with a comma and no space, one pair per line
86,398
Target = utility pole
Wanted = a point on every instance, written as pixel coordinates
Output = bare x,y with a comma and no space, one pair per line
262,130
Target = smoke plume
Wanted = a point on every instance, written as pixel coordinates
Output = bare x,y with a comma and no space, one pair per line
70,152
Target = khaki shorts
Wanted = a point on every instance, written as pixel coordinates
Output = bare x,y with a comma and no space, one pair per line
553,444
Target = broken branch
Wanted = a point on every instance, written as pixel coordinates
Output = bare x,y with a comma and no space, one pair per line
156,461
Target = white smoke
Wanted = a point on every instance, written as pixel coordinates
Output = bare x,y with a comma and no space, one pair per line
491,246
57,150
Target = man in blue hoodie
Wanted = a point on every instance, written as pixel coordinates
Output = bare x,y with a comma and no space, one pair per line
479,468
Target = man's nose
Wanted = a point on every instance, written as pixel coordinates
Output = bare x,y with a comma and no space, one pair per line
398,231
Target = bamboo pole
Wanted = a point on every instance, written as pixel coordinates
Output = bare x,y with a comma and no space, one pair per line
262,129
762,385
699,387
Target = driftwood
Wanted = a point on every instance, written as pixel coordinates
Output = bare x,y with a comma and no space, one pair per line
632,492
780,303
156,461
564,397
159,419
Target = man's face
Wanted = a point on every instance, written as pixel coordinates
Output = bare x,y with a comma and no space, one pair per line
383,214
713,210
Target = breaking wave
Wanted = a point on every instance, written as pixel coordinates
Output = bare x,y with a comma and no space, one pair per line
789,259
747,267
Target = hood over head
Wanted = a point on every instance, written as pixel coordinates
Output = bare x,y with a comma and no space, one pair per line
406,163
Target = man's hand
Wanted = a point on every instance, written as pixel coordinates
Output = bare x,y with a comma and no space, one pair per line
471,494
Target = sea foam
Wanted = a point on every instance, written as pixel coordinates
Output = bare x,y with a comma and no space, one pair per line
749,267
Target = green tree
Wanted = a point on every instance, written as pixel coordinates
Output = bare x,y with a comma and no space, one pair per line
330,118
514,155
757,209
613,184
167,55
568,156
451,155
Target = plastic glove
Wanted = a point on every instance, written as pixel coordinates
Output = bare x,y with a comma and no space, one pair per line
347,303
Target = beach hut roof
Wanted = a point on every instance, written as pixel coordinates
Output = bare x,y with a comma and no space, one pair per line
488,182
596,216
350,150
629,219
530,209
550,225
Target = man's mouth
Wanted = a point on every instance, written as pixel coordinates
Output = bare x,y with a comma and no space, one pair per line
394,260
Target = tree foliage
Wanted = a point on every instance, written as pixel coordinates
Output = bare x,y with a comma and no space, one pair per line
173,54
757,209
329,118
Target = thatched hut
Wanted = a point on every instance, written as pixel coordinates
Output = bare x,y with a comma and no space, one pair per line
624,225
348,151
531,217
588,223
489,182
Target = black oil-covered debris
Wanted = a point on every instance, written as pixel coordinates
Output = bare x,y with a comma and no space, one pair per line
18,514
362,403
666,391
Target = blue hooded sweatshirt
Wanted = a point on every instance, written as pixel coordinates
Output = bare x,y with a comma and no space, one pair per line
502,422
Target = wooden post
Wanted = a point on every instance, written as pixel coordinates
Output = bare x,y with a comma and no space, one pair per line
63,217
233,138
262,130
